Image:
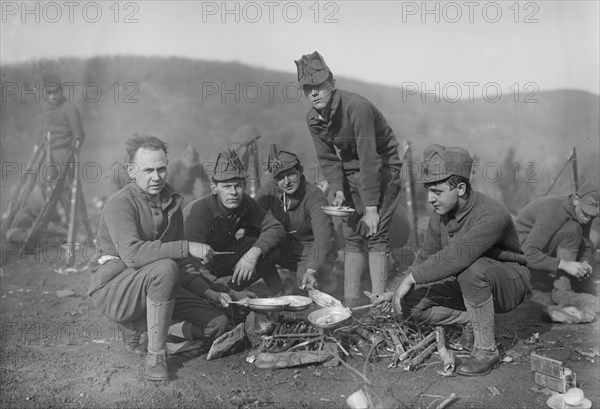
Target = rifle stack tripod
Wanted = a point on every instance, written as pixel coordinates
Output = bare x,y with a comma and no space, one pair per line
72,200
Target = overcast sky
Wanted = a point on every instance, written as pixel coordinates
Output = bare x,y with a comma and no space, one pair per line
546,44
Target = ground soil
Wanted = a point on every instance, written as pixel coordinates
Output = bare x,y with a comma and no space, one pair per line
59,352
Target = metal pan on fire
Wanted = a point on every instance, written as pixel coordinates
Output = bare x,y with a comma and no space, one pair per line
330,317
267,304
296,302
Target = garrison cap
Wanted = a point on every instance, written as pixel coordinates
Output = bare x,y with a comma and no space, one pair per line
228,167
588,197
280,161
441,162
312,70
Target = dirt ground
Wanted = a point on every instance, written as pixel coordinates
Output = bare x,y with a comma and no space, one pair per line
59,352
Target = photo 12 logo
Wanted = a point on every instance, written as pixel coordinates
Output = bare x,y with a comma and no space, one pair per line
69,12
470,11
251,92
71,91
469,91
270,11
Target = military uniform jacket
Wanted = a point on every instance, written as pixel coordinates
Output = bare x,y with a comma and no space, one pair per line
304,217
483,228
207,221
365,141
538,222
138,233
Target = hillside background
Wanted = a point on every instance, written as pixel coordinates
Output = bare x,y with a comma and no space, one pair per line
171,104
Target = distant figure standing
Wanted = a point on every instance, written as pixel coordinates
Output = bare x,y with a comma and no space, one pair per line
184,172
61,129
358,153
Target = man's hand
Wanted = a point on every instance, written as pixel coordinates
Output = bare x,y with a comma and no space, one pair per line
244,269
309,279
338,199
223,298
575,268
371,220
589,269
240,295
383,301
405,286
201,251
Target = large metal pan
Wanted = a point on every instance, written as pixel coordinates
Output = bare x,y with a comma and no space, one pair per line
330,317
266,304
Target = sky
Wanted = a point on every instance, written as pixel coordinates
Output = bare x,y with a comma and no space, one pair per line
458,46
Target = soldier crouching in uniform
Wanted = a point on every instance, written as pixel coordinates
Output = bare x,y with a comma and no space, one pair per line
140,248
469,267
309,248
554,232
218,219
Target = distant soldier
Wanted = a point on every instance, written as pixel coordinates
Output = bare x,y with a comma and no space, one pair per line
62,130
309,248
183,174
554,232
61,124
237,234
358,153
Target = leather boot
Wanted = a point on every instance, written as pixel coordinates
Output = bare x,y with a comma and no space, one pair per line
159,317
131,341
562,282
354,264
379,270
484,356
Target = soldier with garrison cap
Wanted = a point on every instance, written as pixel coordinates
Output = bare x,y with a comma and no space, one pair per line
365,175
216,219
309,248
470,265
555,234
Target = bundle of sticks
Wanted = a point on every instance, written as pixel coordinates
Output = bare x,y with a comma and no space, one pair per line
293,336
408,347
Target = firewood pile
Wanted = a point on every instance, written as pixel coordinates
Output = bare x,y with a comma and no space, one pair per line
375,337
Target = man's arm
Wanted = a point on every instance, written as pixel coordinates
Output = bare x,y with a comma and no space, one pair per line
75,122
432,243
363,123
487,230
546,225
272,231
323,232
329,162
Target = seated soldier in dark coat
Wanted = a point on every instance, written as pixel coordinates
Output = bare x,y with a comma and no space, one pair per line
237,233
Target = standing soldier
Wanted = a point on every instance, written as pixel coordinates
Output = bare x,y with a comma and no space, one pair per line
365,175
62,130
